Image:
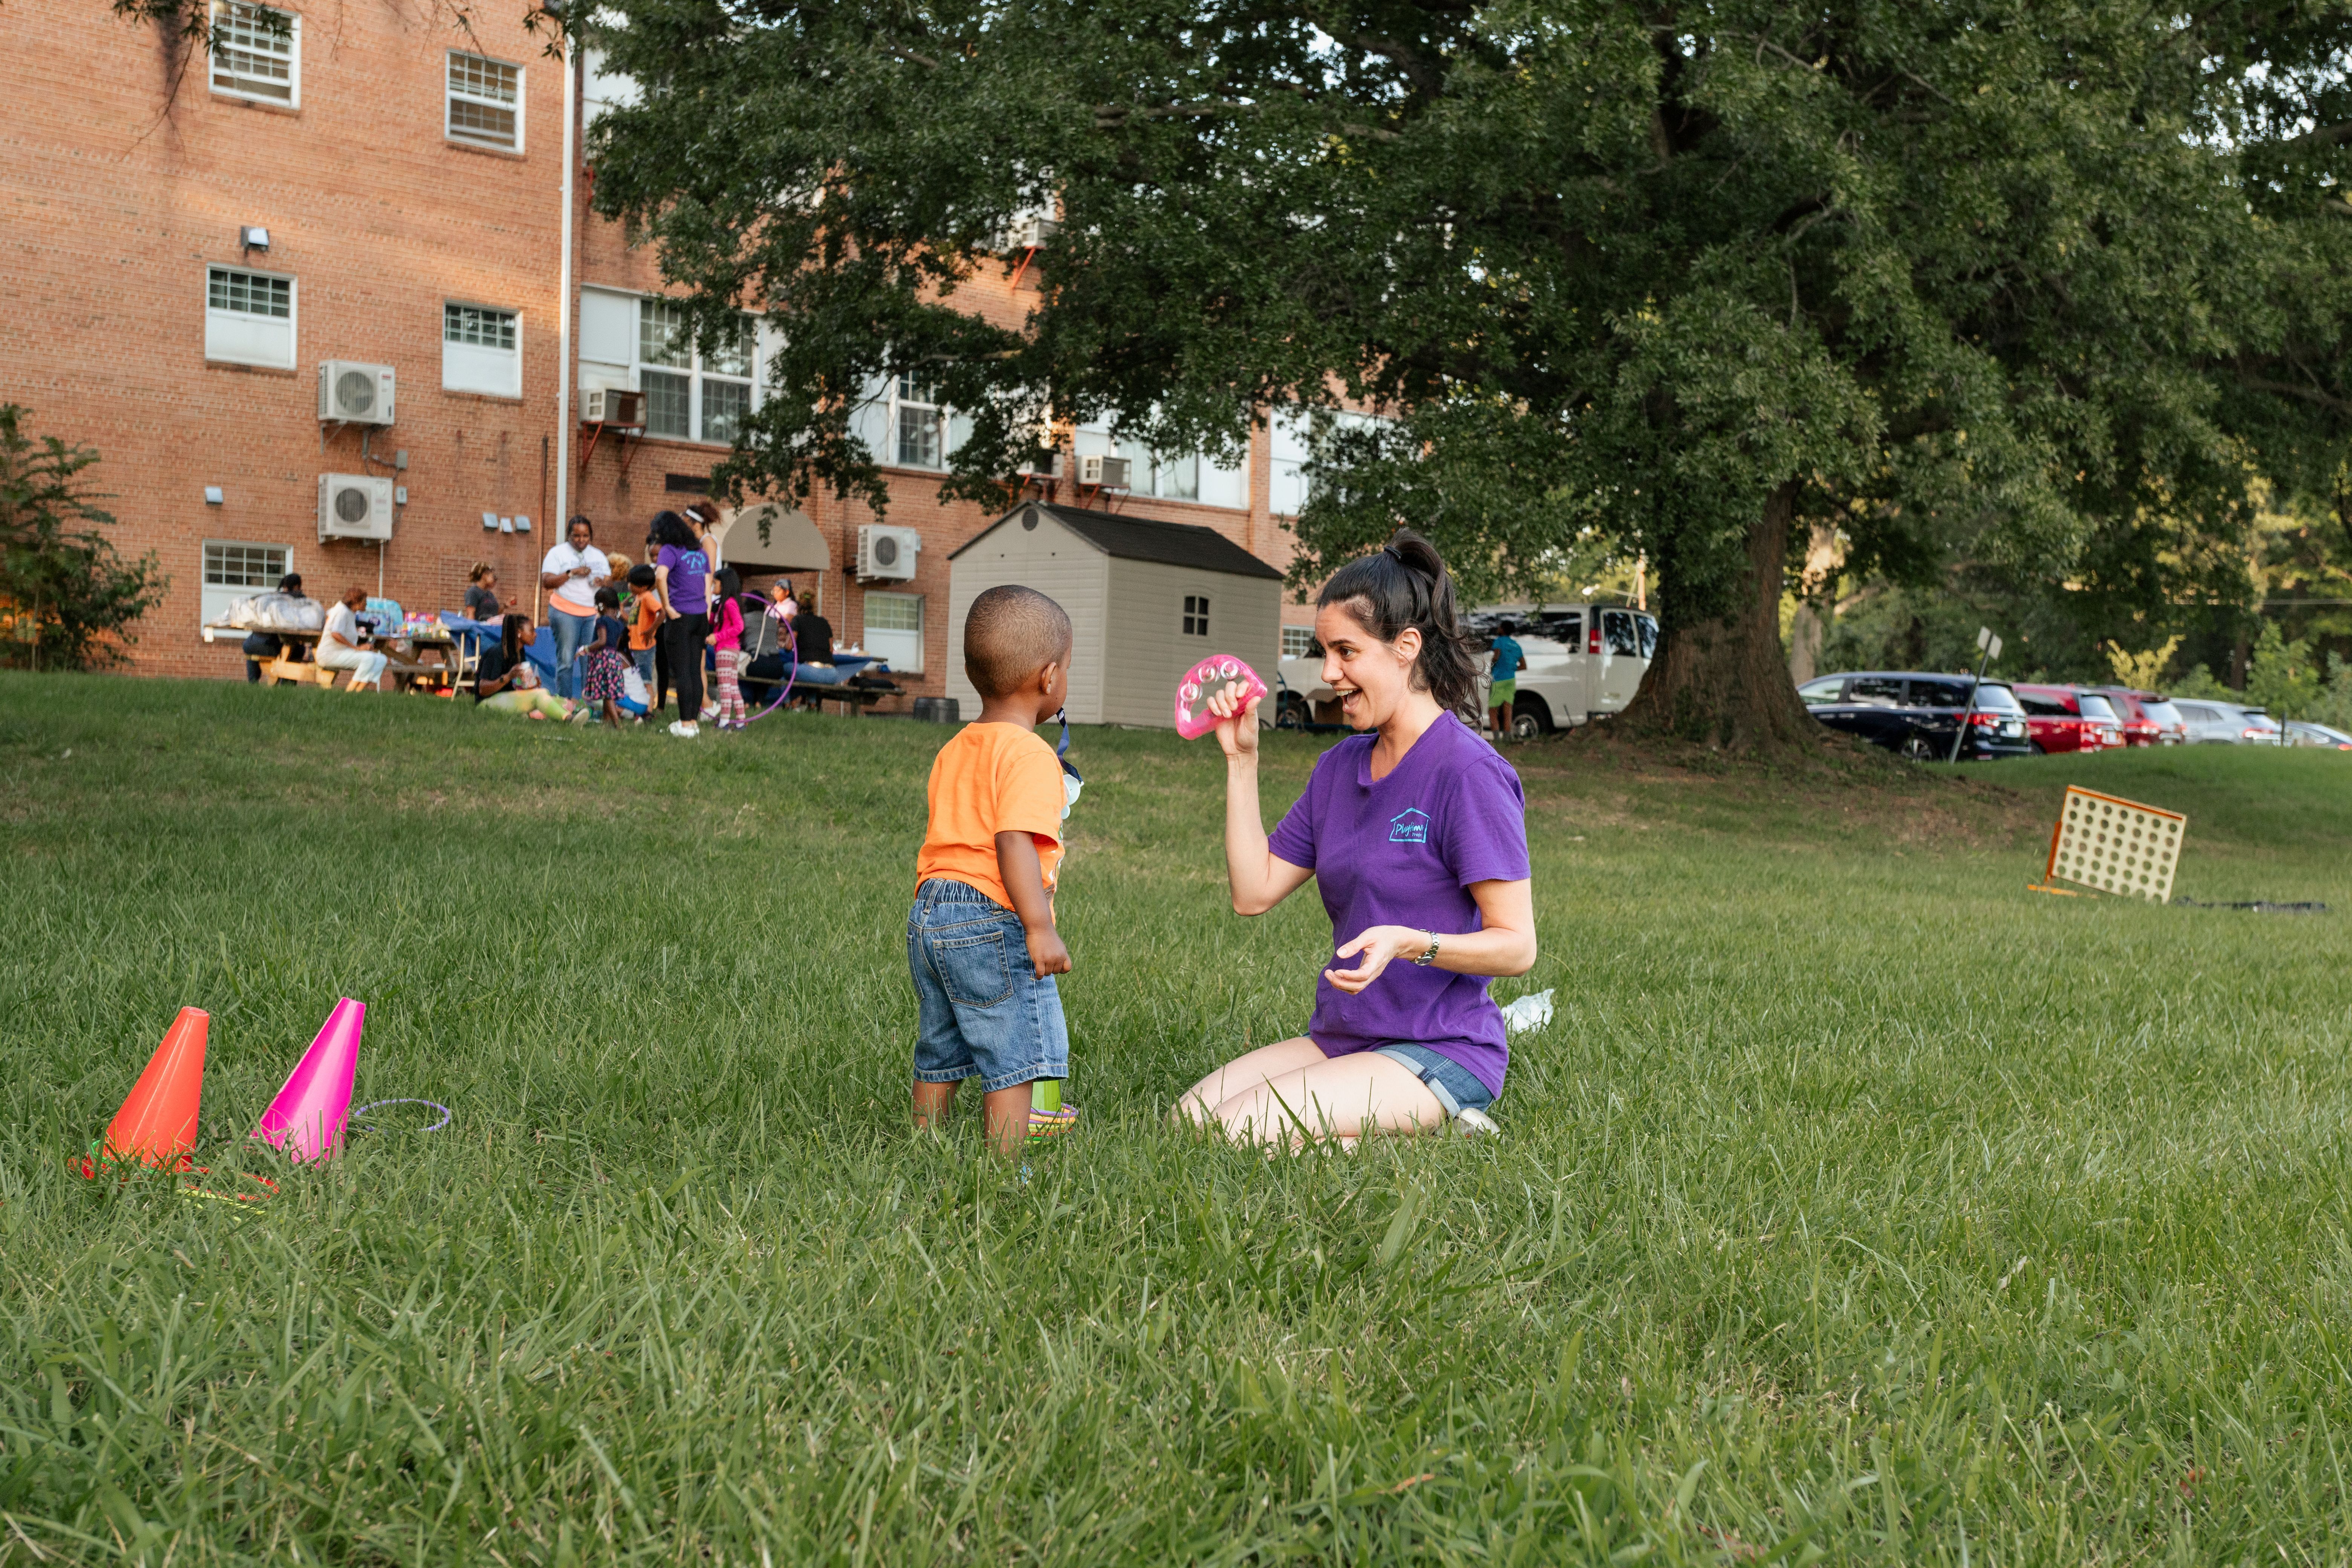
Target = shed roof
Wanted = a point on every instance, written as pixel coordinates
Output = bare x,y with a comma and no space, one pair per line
1144,539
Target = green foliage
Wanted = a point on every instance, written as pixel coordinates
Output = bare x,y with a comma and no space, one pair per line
2036,1246
1979,282
68,601
2282,677
2199,682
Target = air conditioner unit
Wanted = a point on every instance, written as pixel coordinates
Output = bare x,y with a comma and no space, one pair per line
1111,473
355,393
1029,231
887,555
354,506
1043,466
612,406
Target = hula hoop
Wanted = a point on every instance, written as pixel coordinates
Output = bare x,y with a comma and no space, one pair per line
782,693
379,1104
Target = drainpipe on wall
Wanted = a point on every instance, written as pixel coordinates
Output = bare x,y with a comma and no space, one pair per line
572,87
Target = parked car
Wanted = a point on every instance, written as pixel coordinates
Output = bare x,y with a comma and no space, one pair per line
2212,723
1918,712
2149,720
2304,733
2069,718
1584,661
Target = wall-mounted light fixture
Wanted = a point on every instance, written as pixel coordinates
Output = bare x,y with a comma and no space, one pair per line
253,237
213,495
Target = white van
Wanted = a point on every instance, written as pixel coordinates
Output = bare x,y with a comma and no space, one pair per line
1583,659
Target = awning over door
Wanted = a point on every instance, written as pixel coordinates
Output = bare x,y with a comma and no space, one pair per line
793,544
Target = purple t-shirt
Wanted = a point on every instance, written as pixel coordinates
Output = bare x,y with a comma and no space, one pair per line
689,593
1403,851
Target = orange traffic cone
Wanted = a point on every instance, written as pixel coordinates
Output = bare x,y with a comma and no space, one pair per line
157,1124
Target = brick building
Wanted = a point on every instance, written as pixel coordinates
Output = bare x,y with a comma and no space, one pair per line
191,236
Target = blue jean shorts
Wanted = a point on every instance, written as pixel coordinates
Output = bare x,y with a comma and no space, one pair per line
985,1013
1457,1086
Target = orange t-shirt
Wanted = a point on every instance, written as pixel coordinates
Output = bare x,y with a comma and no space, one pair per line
990,779
648,622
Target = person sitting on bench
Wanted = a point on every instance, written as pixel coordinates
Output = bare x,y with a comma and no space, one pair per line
338,645
259,646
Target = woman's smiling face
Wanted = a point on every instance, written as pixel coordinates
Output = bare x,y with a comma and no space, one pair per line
1370,677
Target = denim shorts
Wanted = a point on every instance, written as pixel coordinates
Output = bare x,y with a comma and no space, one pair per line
985,1013
1457,1086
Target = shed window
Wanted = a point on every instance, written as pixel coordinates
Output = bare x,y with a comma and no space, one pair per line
1196,616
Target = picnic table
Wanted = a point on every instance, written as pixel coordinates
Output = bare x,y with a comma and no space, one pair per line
402,660
856,680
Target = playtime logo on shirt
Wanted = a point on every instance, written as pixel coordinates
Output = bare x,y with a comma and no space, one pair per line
1410,826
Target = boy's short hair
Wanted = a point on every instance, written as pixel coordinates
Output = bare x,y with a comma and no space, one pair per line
1009,634
642,577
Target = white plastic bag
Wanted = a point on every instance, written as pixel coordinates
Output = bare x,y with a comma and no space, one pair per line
1532,1012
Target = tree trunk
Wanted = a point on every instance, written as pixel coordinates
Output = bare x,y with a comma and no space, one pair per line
1724,682
1810,626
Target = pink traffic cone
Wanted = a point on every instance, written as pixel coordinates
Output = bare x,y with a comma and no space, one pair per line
307,1117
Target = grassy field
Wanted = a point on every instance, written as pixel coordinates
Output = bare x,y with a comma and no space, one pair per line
1859,1204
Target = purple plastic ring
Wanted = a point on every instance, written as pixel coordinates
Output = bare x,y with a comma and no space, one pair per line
374,1105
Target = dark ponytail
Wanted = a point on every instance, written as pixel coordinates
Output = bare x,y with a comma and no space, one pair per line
1403,583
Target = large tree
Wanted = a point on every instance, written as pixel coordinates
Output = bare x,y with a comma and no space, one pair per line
1974,277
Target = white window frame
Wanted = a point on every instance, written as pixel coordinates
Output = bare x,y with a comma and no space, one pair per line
1299,642
213,599
453,371
881,416
451,97
602,361
224,14
1155,474
226,354
1296,437
917,410
894,633
1195,622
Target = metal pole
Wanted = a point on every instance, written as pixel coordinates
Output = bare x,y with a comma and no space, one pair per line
574,69
1969,713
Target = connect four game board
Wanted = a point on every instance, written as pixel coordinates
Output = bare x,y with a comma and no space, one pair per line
2116,845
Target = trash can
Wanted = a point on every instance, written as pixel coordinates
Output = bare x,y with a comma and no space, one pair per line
935,710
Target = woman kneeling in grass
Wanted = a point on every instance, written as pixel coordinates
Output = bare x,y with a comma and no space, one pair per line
1417,832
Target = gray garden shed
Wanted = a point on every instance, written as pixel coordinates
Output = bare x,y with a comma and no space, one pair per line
1148,601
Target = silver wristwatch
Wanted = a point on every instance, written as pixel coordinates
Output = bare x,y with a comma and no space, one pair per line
1427,959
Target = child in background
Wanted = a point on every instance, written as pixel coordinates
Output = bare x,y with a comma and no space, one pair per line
985,884
726,643
603,663
644,618
518,688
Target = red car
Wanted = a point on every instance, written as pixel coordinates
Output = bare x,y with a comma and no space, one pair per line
2068,719
2148,718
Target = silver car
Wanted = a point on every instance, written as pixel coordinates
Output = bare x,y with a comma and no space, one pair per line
2326,737
2226,724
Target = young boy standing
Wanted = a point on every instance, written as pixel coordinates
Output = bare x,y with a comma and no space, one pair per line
981,938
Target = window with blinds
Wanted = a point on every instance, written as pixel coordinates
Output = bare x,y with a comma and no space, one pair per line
257,53
485,102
